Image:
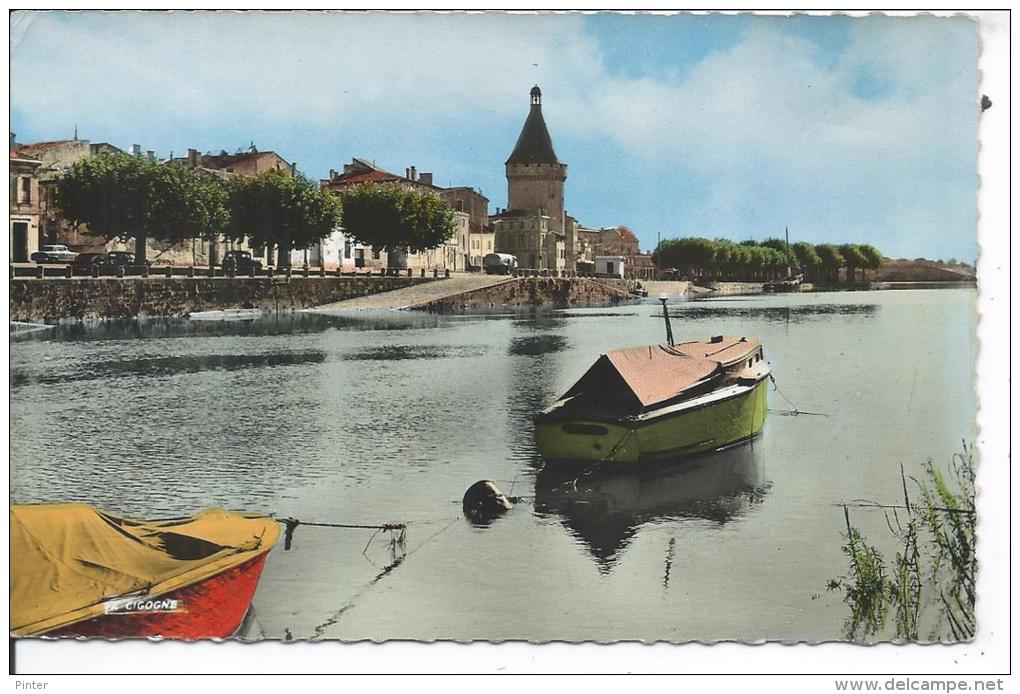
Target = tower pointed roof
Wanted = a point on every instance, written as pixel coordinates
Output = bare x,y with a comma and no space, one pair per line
534,146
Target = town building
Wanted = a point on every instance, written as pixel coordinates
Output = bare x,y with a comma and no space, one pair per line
611,265
249,162
462,251
640,266
25,235
534,226
53,157
617,241
476,240
588,247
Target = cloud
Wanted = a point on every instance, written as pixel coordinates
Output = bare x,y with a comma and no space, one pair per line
882,123
318,68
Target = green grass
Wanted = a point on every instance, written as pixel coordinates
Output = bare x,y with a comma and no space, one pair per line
926,592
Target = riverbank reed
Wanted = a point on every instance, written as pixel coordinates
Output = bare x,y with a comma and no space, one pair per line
927,591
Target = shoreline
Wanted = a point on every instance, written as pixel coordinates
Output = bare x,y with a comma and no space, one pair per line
65,300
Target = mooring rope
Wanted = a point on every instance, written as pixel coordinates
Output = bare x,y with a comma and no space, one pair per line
385,571
795,411
874,504
291,524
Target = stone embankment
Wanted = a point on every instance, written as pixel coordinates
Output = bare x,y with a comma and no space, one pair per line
412,295
675,290
559,292
90,298
735,288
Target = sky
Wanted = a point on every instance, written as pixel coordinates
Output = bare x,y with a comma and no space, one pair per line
859,130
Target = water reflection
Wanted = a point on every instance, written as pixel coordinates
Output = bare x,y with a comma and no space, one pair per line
537,345
541,321
578,314
603,506
401,352
293,323
793,314
534,366
167,366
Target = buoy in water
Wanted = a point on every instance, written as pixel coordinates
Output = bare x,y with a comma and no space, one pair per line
483,501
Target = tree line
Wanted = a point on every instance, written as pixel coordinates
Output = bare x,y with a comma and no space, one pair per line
125,197
771,259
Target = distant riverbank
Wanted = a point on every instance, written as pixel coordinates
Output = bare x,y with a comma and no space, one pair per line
56,299
677,290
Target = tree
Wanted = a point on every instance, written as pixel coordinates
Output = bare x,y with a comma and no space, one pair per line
693,254
852,259
831,261
728,258
277,209
396,219
776,262
873,258
781,246
807,258
124,197
193,205
757,258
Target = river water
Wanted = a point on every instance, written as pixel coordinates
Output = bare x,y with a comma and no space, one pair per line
371,418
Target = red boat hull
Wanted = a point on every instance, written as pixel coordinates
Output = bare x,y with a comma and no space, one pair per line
210,609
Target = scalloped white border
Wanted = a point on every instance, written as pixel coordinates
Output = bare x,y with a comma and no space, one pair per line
988,653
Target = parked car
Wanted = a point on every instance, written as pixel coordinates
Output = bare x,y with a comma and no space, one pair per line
85,261
241,261
119,258
109,262
53,253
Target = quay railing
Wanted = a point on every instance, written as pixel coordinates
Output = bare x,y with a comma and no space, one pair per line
53,271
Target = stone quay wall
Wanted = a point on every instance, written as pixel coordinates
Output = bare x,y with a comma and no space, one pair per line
560,292
736,288
92,298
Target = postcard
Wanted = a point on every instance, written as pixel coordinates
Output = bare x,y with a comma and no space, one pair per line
482,327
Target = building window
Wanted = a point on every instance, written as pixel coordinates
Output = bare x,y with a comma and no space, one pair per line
375,254
26,189
347,248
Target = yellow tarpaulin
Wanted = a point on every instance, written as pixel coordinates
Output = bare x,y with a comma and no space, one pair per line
66,559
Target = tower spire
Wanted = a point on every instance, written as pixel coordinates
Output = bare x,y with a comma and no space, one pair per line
534,146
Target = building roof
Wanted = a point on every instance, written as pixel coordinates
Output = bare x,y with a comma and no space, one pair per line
39,146
518,214
375,176
17,156
224,160
466,189
626,234
364,172
534,146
